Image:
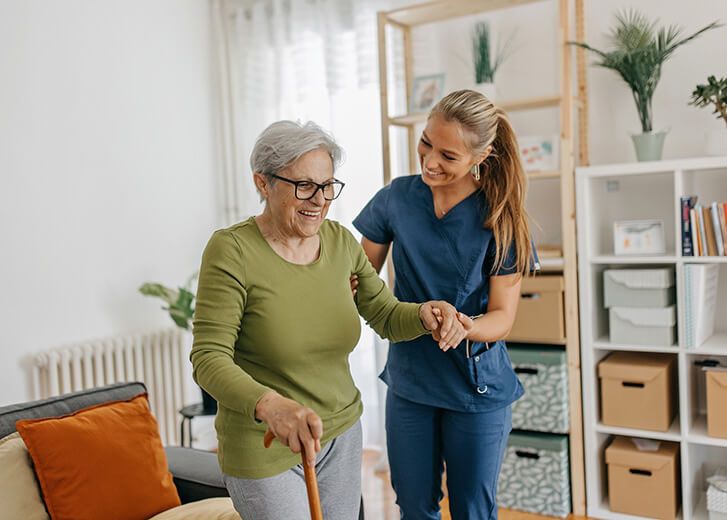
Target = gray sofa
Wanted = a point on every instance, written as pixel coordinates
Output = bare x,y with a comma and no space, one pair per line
196,473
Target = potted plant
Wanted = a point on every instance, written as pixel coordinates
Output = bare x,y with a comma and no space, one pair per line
486,61
714,92
180,305
639,49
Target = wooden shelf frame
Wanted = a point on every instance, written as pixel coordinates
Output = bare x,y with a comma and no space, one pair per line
570,106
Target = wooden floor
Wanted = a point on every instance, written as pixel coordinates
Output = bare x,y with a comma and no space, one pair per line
379,500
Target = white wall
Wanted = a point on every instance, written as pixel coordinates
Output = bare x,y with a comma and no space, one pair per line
107,167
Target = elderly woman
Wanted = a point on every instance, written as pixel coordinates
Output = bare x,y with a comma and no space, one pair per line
275,323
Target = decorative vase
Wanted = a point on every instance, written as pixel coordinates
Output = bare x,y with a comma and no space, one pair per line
489,90
649,145
716,142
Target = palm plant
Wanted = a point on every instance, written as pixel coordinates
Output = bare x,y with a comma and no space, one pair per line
486,62
713,93
639,51
180,301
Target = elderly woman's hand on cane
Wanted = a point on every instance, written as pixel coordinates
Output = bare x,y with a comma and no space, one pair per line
300,429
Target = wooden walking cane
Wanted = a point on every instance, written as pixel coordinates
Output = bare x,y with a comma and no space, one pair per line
311,482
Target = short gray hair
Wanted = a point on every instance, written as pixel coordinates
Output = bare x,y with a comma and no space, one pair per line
284,142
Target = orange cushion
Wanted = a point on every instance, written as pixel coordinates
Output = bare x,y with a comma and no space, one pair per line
105,461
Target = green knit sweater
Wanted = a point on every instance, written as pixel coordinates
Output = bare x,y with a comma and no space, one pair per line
264,323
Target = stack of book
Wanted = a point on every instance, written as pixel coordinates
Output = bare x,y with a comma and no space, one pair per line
704,228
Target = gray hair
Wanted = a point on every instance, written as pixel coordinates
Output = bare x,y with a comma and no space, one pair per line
284,142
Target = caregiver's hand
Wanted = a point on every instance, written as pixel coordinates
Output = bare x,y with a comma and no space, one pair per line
293,424
440,317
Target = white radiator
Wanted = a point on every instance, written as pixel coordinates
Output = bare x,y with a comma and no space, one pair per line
158,359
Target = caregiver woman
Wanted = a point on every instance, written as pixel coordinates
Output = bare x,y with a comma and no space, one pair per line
460,234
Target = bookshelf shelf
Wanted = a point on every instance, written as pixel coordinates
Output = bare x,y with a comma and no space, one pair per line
603,344
714,346
703,259
431,12
698,434
625,260
673,434
608,193
516,105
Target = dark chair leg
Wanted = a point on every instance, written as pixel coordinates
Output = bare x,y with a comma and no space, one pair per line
361,511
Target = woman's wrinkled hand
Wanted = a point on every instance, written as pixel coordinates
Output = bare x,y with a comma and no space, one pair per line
293,424
441,318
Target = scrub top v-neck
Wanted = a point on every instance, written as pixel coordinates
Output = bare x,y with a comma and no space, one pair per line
449,258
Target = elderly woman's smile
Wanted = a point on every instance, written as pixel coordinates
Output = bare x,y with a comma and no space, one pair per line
296,217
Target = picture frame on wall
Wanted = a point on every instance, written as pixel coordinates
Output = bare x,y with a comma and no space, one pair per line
539,153
425,92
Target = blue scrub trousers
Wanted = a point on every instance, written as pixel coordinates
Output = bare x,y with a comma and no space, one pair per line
422,438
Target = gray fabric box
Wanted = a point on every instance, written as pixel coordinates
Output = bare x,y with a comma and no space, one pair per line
638,287
535,474
643,326
543,371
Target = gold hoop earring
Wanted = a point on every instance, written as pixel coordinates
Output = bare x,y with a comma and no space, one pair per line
475,171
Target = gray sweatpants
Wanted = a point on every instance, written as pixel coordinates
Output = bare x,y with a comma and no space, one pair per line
338,467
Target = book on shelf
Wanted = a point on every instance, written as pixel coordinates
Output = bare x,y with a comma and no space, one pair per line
718,230
700,288
687,245
723,223
694,230
709,231
704,227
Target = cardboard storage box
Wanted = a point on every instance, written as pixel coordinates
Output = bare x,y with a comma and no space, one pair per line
543,372
638,390
535,474
716,403
642,326
540,316
643,483
638,287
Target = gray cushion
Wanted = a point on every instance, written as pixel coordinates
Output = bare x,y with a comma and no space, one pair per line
196,473
65,404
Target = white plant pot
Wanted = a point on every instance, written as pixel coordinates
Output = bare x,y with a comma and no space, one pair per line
716,142
649,145
488,90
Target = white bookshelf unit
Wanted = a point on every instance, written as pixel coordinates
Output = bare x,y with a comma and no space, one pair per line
647,190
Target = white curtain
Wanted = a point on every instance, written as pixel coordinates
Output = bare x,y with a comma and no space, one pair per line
306,60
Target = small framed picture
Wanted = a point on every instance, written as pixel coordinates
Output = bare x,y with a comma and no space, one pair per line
638,237
539,153
426,91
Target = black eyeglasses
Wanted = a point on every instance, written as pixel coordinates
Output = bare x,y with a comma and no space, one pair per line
306,190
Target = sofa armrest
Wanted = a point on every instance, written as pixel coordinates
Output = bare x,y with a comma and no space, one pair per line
196,474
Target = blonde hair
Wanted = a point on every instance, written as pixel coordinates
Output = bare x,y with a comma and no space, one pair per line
502,177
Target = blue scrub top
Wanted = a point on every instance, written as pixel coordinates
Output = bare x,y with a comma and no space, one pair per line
447,259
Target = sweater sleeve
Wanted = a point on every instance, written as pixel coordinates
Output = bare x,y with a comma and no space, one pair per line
390,318
221,296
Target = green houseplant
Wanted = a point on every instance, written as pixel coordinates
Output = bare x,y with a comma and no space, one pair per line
713,94
487,60
180,305
180,301
638,51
